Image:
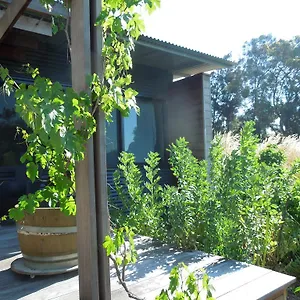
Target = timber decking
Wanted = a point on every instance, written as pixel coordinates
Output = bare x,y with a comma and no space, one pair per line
231,279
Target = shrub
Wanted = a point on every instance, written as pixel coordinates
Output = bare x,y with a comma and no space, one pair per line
246,206
140,195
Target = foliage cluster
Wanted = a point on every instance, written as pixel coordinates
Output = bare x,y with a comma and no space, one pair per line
120,249
244,205
263,86
185,286
60,121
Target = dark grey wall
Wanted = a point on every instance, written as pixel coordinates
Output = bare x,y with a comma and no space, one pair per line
184,114
49,54
150,82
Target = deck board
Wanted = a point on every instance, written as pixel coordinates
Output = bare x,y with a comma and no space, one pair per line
231,279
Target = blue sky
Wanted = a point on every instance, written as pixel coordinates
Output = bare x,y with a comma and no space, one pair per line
218,27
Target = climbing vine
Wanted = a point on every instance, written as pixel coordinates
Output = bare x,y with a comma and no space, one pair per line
60,121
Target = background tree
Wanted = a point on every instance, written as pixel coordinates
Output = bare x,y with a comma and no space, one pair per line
285,56
264,86
227,96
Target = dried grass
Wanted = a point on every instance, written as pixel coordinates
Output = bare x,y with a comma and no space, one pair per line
230,142
289,144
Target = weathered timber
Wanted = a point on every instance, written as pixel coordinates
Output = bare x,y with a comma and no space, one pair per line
101,195
231,279
11,16
37,8
91,194
85,177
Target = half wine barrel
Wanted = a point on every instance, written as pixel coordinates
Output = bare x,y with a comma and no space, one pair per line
48,239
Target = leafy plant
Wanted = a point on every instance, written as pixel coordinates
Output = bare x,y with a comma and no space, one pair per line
297,289
246,206
272,155
186,203
140,194
293,267
185,286
60,121
121,251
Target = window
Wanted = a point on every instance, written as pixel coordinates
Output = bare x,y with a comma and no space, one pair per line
135,133
112,146
139,131
12,146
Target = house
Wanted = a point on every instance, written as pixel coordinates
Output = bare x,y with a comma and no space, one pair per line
174,97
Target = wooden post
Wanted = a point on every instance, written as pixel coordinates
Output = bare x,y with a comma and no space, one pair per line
91,197
102,214
11,15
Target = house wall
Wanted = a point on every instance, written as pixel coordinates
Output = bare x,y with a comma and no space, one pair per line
48,54
51,57
207,114
150,82
153,84
188,114
181,108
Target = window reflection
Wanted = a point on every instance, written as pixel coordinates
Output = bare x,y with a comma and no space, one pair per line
13,182
139,132
11,144
112,149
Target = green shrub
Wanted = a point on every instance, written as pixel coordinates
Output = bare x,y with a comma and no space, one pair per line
141,197
245,205
186,202
272,155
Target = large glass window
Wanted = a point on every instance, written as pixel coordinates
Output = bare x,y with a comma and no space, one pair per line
139,131
13,182
112,147
11,145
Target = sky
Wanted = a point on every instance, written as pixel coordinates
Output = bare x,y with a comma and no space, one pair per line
218,27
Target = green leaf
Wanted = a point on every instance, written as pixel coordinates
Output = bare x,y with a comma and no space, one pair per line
16,214
119,260
32,171
130,93
3,73
174,279
109,245
25,157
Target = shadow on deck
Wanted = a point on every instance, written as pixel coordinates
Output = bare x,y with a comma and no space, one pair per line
231,279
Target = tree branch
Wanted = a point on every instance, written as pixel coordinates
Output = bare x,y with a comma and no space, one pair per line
122,282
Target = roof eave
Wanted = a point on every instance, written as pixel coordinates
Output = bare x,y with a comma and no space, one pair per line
210,61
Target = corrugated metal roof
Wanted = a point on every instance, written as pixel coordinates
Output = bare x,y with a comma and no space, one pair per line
184,51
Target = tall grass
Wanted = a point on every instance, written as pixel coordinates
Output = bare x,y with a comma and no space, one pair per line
290,145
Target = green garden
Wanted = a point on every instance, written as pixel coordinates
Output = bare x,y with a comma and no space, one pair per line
242,204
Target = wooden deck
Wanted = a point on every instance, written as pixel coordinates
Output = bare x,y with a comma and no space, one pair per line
231,279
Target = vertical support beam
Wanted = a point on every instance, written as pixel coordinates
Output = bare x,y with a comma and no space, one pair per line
102,213
90,272
11,15
207,115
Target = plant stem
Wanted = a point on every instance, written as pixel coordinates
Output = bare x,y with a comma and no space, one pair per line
122,282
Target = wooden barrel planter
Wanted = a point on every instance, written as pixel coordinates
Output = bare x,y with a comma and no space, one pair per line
48,240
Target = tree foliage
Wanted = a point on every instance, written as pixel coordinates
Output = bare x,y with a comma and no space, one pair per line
264,86
227,96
